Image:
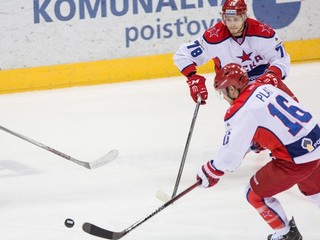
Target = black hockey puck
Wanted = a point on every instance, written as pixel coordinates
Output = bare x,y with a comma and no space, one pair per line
69,223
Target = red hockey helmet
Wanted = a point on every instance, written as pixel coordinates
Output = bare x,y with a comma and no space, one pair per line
234,7
231,75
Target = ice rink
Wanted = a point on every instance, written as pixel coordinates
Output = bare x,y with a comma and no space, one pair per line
148,122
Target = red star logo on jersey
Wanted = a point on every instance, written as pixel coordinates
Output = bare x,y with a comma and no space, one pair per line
213,31
265,28
245,56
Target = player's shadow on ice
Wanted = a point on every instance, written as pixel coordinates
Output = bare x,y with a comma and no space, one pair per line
11,168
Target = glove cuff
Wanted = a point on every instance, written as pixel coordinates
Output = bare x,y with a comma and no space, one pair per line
212,171
189,70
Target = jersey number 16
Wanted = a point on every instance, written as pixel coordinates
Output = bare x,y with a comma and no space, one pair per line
297,113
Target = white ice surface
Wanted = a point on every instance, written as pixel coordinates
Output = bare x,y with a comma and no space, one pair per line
148,122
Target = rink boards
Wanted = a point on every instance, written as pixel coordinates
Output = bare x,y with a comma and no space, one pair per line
119,70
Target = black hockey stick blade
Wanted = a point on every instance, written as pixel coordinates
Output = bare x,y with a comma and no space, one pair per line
101,232
104,233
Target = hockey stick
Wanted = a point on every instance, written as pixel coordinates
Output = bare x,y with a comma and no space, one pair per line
186,148
104,233
110,156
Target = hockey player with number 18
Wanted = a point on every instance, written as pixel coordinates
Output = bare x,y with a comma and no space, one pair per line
237,39
271,117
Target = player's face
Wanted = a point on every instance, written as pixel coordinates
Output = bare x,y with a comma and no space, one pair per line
229,94
235,24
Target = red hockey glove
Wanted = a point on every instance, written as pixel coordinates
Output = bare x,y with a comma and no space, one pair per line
273,77
269,78
209,175
197,86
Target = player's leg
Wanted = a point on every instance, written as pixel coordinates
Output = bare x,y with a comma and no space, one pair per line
269,209
310,186
275,177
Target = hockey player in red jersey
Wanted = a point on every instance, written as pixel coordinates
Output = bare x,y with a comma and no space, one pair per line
264,113
239,39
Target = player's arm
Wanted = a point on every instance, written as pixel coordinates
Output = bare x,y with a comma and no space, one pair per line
190,55
187,58
237,139
274,52
279,61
